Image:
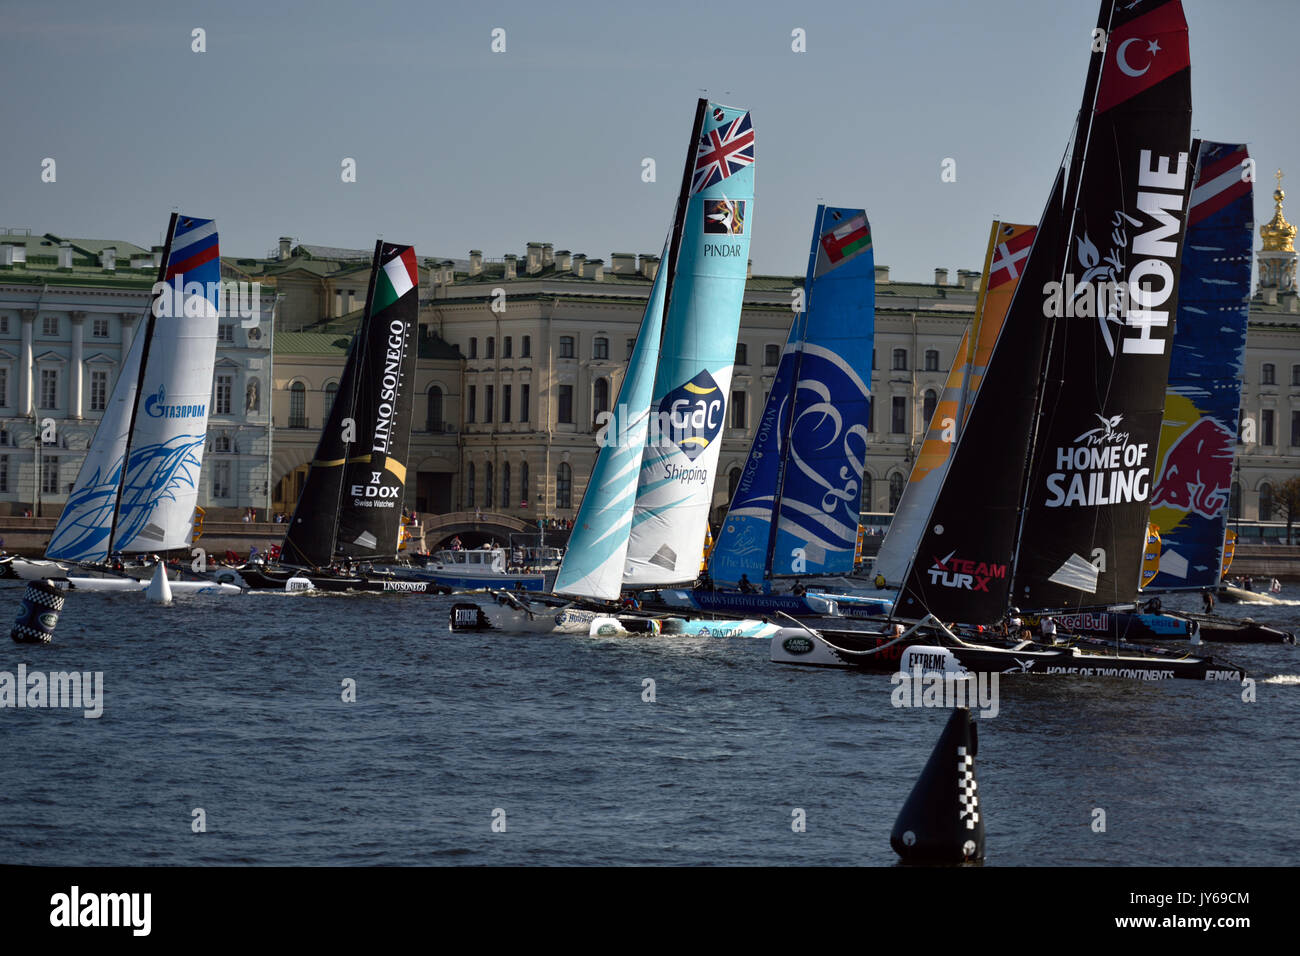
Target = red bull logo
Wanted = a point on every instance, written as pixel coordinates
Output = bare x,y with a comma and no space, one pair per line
1196,474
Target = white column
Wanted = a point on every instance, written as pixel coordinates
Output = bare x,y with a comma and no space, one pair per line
25,365
75,380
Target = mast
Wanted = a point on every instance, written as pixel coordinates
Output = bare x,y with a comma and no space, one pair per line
150,320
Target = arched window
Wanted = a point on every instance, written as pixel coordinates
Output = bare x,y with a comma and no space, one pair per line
434,420
564,486
930,400
505,485
331,393
733,479
297,405
1234,501
600,347
896,482
866,492
469,486
523,483
487,486
932,360
900,360
600,396
772,355
1266,502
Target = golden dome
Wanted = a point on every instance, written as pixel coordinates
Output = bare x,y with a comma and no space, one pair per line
1277,233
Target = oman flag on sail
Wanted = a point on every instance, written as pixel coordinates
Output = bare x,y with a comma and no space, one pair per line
395,279
847,240
1139,54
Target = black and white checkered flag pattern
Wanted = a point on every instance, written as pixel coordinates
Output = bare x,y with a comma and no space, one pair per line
966,789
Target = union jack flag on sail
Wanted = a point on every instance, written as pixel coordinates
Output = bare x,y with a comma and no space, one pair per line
723,151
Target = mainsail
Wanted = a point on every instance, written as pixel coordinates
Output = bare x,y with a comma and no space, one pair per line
1078,372
707,267
1008,249
1189,499
795,508
351,503
156,418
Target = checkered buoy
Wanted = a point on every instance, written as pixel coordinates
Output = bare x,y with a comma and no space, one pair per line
39,614
942,821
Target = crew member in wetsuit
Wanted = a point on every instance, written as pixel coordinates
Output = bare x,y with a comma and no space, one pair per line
1207,598
745,586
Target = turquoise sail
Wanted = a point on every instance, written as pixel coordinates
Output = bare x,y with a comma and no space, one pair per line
593,562
708,267
806,463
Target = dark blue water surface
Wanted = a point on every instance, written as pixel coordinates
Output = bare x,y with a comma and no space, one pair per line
233,705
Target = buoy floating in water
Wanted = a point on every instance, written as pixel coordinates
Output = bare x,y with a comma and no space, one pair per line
942,822
39,613
159,590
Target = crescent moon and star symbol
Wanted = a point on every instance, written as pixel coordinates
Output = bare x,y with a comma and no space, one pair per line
1153,47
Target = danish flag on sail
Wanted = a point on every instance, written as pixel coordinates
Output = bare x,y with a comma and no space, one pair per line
1010,254
1218,184
1143,52
723,151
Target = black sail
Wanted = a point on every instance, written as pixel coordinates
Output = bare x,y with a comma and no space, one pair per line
351,504
1112,322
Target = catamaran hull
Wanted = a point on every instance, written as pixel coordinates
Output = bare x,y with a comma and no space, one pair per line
867,651
267,579
736,602
1235,595
1170,626
73,583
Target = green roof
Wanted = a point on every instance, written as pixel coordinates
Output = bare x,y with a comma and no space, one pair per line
311,343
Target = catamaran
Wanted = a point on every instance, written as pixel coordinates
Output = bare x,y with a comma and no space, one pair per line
139,483
1059,445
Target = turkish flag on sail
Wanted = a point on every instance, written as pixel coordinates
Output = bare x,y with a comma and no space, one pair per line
1143,52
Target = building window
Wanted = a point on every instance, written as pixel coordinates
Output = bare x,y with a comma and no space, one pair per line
225,387
566,346
631,344
433,421
873,359
565,405
491,347
742,353
221,479
1295,375
1234,500
526,350
898,417
487,485
327,405
932,360
1267,375
1266,427
523,483
1295,428
930,400
99,328
771,355
506,347
871,415
98,390
50,325
896,482
737,409
471,406
4,324
469,486
900,360
221,443
505,486
473,348
489,408
225,333
1266,502
733,479
523,402
564,486
297,402
4,385
505,403
865,504
49,388
600,396
600,348
4,473
49,475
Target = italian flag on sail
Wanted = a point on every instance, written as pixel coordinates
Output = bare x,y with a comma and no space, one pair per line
396,278
847,240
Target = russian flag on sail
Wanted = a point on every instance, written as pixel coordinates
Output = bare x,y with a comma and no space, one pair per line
398,277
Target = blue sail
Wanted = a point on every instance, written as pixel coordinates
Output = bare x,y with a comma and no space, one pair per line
809,452
593,562
1189,500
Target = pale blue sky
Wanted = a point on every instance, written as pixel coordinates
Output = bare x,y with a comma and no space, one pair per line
458,147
